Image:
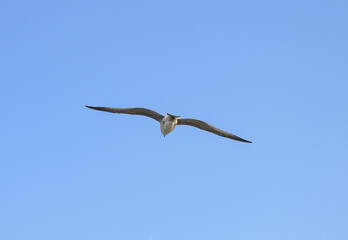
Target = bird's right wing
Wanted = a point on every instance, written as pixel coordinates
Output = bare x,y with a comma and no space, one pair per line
207,127
134,111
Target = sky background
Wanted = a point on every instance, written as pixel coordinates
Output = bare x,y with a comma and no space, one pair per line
273,72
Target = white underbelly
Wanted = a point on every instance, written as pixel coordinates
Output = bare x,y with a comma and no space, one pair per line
167,127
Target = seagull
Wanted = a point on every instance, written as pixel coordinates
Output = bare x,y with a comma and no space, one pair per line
169,121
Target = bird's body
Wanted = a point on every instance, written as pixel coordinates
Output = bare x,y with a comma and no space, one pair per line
168,122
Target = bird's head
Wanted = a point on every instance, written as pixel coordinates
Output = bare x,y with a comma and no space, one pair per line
173,116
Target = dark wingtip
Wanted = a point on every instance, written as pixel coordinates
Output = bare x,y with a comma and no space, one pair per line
246,141
94,108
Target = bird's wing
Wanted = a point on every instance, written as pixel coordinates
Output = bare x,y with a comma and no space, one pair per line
133,111
207,127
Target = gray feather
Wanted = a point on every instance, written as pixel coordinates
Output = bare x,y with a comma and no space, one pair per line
207,127
134,111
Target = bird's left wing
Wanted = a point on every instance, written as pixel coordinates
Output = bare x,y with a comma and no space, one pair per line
134,111
207,127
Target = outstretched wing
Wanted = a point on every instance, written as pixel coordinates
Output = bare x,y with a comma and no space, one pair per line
134,111
207,127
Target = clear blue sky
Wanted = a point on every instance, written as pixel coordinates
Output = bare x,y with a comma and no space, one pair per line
273,72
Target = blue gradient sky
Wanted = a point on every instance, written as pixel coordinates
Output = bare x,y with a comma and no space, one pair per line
273,72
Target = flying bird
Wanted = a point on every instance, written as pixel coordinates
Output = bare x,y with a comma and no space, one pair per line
169,121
